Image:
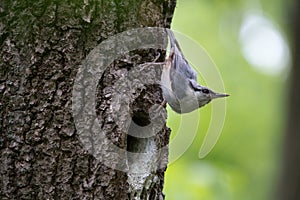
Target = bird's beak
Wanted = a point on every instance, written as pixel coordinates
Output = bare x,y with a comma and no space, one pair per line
219,95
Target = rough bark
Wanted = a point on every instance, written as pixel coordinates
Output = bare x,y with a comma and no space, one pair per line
289,186
43,44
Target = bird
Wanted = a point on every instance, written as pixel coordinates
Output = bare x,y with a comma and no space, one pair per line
179,82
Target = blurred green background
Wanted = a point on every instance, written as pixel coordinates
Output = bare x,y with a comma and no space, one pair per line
247,40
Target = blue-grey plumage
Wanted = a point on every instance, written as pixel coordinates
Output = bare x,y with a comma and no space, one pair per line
179,82
179,62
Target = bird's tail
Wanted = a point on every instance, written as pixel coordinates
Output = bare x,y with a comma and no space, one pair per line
173,42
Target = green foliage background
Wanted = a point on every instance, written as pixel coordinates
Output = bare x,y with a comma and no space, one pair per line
245,162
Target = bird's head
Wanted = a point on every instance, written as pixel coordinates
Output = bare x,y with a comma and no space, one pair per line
204,95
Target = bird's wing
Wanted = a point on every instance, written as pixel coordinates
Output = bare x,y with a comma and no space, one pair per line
179,62
179,84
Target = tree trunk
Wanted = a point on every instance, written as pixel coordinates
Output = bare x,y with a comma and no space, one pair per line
43,156
289,186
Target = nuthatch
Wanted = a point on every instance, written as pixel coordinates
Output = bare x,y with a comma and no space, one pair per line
179,82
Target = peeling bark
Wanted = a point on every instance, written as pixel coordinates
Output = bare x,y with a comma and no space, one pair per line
43,43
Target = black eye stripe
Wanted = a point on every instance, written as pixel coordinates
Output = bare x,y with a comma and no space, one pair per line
205,91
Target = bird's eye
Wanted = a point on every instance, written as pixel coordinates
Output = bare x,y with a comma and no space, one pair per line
205,91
